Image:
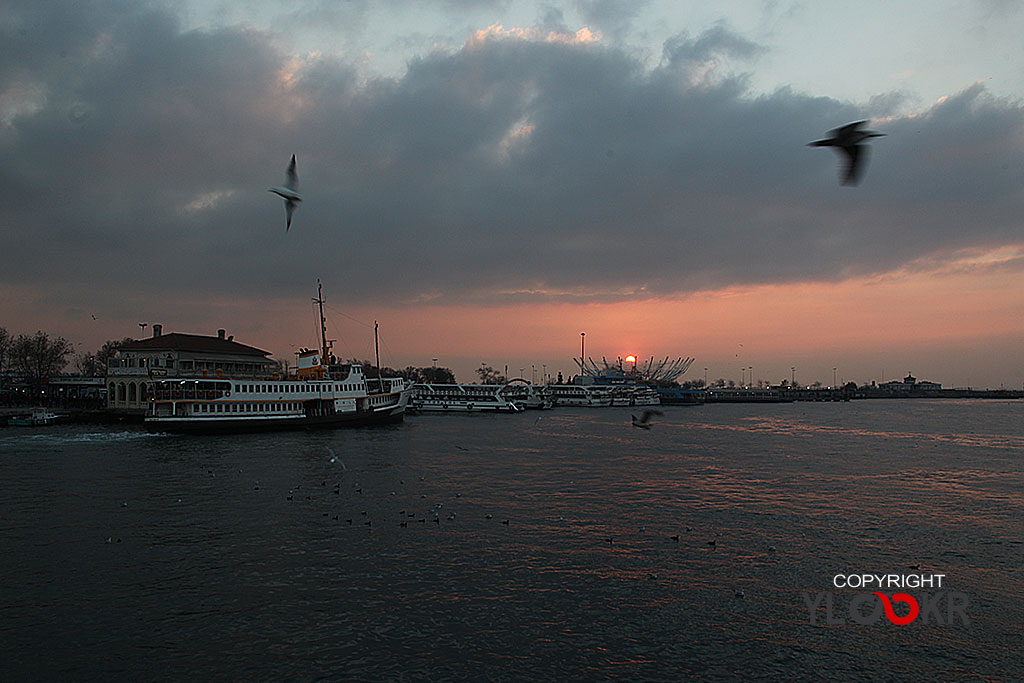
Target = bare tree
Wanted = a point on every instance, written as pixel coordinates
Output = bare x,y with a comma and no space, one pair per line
5,352
38,357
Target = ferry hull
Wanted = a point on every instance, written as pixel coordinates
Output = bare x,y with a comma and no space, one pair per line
241,425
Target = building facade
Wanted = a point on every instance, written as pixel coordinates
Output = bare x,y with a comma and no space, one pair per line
162,356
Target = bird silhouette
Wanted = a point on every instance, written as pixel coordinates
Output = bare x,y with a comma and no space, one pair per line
645,420
289,192
847,140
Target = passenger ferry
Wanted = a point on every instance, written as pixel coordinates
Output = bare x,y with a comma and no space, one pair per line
528,396
461,398
317,395
590,395
635,395
677,396
340,397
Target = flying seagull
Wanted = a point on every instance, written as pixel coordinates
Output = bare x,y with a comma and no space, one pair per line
288,192
645,420
848,140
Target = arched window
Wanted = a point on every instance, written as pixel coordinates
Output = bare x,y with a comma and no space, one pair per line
132,398
121,392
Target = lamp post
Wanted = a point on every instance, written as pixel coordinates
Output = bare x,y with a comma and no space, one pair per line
834,385
705,378
792,380
583,355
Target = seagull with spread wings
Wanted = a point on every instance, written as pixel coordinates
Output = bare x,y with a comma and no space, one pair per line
848,141
288,192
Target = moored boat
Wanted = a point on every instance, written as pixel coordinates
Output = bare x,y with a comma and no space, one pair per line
39,417
590,395
527,396
461,398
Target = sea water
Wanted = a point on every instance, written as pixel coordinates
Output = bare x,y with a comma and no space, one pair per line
561,544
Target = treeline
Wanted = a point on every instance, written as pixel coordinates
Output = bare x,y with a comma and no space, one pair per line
38,356
430,375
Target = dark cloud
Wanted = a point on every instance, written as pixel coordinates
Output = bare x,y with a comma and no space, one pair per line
716,42
513,168
614,18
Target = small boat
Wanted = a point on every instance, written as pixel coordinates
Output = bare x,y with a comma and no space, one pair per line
38,417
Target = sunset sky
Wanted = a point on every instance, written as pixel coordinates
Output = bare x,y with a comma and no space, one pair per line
488,179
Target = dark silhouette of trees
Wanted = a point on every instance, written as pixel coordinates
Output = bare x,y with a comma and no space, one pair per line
489,375
38,357
5,349
429,375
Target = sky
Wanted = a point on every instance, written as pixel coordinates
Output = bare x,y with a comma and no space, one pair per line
488,179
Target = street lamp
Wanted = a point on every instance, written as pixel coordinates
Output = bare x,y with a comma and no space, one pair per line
834,385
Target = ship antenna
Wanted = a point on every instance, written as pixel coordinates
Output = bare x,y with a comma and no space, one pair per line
323,325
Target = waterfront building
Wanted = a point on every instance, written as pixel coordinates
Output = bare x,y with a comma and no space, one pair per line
132,369
909,385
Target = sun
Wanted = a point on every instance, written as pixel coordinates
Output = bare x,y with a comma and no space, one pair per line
630,359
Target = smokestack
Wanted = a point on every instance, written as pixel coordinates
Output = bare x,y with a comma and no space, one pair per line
221,333
157,330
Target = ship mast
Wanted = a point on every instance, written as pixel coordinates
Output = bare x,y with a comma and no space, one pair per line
376,348
324,359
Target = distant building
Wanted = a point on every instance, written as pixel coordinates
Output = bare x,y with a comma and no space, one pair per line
909,385
178,355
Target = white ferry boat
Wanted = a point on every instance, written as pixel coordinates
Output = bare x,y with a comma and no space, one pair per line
340,397
589,395
527,396
635,395
318,395
461,398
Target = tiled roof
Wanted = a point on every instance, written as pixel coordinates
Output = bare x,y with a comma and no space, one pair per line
175,341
